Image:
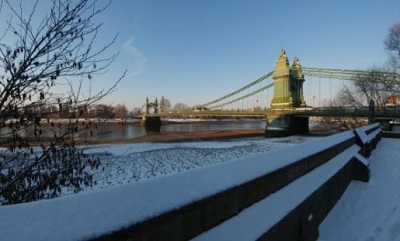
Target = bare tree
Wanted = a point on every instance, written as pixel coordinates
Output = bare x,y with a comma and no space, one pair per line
373,86
378,85
104,111
120,111
392,44
165,104
46,60
180,106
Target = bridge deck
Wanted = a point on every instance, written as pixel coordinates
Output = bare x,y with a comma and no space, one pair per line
303,111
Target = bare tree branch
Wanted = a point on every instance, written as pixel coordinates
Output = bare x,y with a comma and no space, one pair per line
392,43
47,52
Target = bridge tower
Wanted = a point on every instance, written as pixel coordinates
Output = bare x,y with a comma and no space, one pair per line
151,123
288,84
288,96
151,105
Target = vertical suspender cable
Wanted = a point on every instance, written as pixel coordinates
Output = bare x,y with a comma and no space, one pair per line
319,92
330,90
254,98
309,92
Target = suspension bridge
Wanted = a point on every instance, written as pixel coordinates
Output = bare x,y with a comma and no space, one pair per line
290,106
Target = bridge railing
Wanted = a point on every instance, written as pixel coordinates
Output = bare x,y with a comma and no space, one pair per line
333,111
208,113
340,111
386,111
308,109
322,111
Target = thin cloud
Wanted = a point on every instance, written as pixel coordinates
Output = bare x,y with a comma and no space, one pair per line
139,61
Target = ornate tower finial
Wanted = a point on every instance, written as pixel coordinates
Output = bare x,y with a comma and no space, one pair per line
282,54
296,62
282,64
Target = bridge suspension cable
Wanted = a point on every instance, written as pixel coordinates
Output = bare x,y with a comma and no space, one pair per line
328,73
347,74
239,90
242,97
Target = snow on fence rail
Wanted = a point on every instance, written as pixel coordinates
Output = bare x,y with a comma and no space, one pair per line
295,211
174,207
368,137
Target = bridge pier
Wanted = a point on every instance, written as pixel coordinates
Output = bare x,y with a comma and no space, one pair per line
151,123
280,125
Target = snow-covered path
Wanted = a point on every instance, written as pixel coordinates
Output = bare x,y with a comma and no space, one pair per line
369,211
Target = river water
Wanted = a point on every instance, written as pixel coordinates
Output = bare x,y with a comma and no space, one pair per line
103,130
116,131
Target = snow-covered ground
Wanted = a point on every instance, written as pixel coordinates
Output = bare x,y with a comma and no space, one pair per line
127,163
369,211
91,213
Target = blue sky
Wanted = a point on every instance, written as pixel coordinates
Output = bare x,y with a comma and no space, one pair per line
193,51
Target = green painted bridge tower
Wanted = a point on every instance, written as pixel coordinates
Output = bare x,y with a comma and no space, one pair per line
149,122
288,96
288,84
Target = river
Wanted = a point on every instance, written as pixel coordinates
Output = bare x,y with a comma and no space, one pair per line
129,130
105,130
